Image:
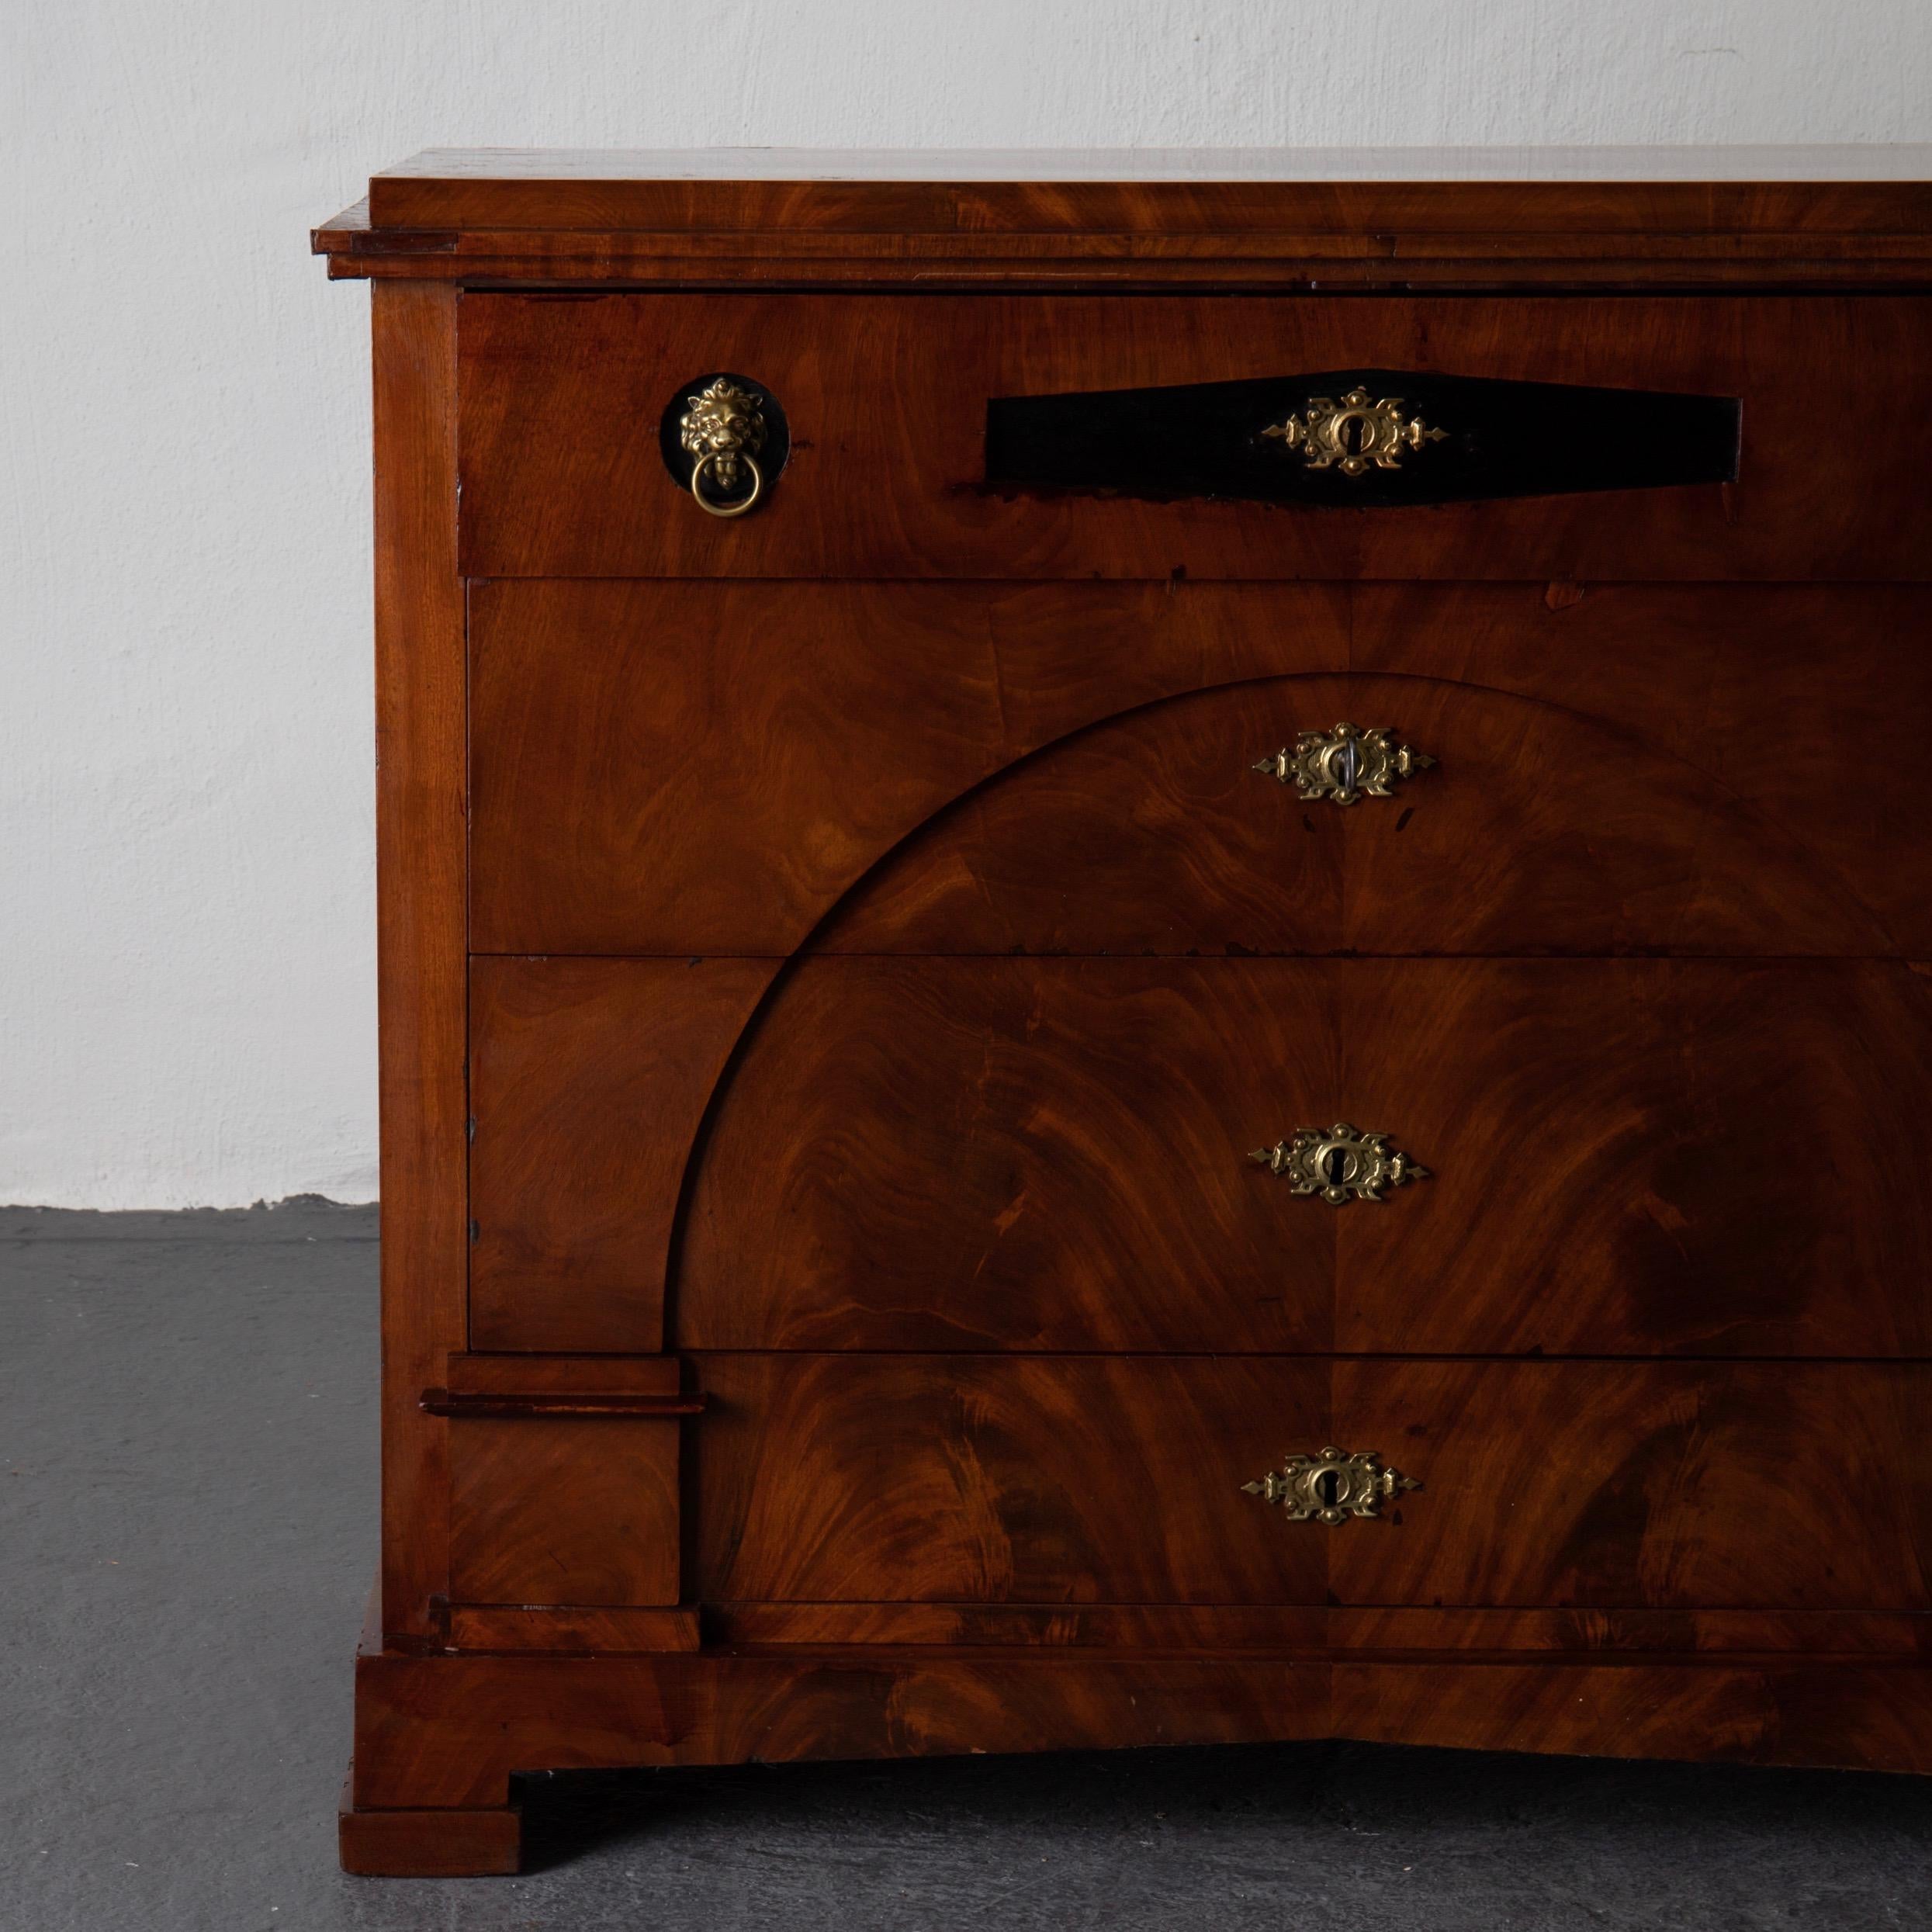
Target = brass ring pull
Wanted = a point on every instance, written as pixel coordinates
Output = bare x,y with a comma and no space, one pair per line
717,507
722,430
1332,1487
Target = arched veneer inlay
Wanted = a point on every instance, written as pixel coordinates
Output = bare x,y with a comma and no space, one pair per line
1643,1156
1535,830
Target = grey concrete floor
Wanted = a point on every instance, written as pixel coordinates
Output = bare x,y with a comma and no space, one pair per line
187,1524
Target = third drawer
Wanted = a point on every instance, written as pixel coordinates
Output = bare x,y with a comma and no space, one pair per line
1626,1157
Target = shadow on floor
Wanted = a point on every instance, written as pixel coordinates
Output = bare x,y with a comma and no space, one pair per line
1462,1839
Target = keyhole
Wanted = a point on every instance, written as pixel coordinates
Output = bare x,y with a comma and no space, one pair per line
1352,430
1347,764
1328,1487
1336,1166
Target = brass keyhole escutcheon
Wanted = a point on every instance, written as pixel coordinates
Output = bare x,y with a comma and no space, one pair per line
1354,435
1340,1163
1346,765
1332,1486
1354,432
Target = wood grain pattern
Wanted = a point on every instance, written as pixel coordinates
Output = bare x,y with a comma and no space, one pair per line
546,1403
1286,218
564,1511
421,990
658,1376
450,1733
580,1628
1344,192
669,767
1680,1485
434,1731
1763,1634
793,1625
827,1477
1803,704
1636,1157
658,767
1281,263
1008,1154
958,1479
1539,831
886,400
579,1149
1702,1157
813,858
1867,1718
427,1844
1305,1631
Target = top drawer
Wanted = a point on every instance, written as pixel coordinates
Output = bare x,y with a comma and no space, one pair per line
877,407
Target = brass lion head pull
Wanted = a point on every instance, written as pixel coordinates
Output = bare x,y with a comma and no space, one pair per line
723,428
1339,1164
1346,765
1331,1488
1355,434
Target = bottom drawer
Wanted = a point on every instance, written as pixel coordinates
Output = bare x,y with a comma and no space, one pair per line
1077,1480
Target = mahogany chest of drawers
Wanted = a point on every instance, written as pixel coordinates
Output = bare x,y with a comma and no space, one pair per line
1153,968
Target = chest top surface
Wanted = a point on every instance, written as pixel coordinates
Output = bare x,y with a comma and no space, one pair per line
1226,218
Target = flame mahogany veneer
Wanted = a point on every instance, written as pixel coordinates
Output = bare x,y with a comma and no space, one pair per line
837,963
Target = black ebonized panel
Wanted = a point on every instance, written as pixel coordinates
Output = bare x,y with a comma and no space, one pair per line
1501,439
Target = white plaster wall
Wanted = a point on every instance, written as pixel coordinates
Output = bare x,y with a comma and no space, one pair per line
187,1008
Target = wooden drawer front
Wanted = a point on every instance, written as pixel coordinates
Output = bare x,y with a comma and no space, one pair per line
886,398
677,768
1635,1157
986,1479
